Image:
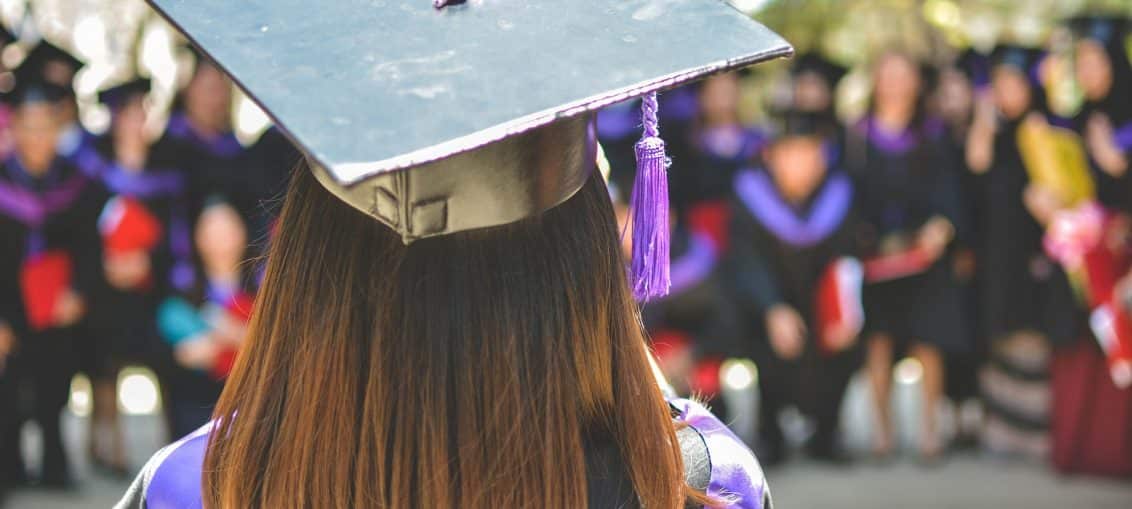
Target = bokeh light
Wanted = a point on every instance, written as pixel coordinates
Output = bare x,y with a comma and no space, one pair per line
138,392
739,374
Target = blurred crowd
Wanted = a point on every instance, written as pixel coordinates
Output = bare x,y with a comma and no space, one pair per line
120,249
960,222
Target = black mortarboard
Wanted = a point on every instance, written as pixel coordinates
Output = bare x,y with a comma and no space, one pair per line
6,36
1103,29
30,87
975,65
365,89
816,63
1022,58
118,95
795,123
44,54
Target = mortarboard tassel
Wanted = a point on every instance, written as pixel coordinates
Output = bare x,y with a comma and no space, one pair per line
648,272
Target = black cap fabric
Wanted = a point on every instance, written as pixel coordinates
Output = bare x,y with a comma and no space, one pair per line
1101,28
118,95
54,64
818,64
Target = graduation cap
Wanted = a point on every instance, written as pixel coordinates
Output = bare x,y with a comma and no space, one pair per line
975,65
114,97
441,120
6,36
55,65
815,63
30,87
1023,59
1103,29
799,123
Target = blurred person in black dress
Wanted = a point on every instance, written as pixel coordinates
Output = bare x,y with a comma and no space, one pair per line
203,325
792,221
1025,299
907,193
147,252
48,222
952,101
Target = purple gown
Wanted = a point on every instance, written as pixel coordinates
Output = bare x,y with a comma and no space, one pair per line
172,477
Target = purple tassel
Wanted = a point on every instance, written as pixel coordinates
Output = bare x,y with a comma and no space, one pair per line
648,206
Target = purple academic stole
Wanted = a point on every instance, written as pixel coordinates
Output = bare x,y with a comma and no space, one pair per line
759,196
224,145
33,209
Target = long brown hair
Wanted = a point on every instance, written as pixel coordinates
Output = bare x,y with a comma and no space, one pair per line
461,371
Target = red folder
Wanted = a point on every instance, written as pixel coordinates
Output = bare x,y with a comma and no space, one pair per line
897,265
838,302
44,278
127,225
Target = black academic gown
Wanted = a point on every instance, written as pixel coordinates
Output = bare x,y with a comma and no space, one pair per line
902,180
715,154
46,359
272,159
774,260
696,305
1114,192
1020,287
217,165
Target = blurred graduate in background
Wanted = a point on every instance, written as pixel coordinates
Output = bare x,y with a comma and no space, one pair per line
146,253
797,284
49,208
1025,298
908,195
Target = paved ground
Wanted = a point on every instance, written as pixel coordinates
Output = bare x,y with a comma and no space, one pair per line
963,482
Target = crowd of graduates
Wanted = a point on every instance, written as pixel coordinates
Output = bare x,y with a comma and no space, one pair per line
118,249
960,222
934,227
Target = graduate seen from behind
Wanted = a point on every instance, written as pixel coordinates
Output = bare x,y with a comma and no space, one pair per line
448,323
792,247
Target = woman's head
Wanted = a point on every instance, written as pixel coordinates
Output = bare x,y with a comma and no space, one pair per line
1094,69
221,238
954,96
1013,94
129,119
208,97
897,82
463,370
797,164
719,99
35,130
